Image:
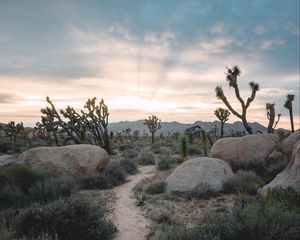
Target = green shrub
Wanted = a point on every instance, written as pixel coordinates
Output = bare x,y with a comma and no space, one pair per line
19,176
153,185
76,217
130,153
202,191
20,186
157,148
129,165
163,163
286,197
114,174
242,181
146,158
193,150
252,221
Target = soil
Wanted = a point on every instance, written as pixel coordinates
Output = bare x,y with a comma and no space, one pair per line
131,223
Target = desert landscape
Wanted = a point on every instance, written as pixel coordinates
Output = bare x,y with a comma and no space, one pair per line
122,121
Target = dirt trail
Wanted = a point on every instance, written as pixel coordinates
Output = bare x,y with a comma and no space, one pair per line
129,219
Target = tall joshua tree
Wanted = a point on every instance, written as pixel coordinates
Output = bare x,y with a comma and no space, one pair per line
231,76
288,104
270,107
223,115
153,124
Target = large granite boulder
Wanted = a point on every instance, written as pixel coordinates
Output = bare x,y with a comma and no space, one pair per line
197,173
226,149
253,148
72,160
289,143
290,176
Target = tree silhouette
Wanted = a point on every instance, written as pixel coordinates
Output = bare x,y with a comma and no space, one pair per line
223,115
153,124
231,77
288,104
270,107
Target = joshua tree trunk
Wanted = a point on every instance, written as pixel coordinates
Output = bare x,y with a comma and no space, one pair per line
152,137
292,119
247,126
222,129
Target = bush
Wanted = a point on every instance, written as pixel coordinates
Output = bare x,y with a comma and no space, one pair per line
20,186
153,185
129,165
130,153
163,163
202,191
242,181
286,197
19,176
156,148
113,175
145,158
253,221
75,217
49,189
193,150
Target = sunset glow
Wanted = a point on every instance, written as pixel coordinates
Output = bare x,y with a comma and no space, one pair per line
147,57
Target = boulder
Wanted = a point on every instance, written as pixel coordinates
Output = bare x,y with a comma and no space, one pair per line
72,159
196,173
289,142
256,147
244,150
226,149
290,176
7,160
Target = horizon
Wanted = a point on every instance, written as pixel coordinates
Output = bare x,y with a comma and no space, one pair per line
148,57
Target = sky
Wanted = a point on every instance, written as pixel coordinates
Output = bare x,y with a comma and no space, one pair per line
143,57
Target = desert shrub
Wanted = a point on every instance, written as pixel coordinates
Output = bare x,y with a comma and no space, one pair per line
52,188
48,189
146,158
286,197
202,191
193,150
163,163
130,153
242,181
156,148
153,185
177,232
20,176
129,165
76,217
113,175
253,221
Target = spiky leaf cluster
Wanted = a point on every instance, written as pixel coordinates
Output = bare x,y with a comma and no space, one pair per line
93,119
222,114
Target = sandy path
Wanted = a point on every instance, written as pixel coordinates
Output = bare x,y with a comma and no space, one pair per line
129,219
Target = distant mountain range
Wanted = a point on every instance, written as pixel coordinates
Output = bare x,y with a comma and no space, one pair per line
171,127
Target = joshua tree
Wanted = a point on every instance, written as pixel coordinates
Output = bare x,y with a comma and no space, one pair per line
94,120
153,124
203,141
231,77
288,104
183,147
270,107
223,115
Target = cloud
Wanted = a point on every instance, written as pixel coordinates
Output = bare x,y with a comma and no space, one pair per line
271,43
8,98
